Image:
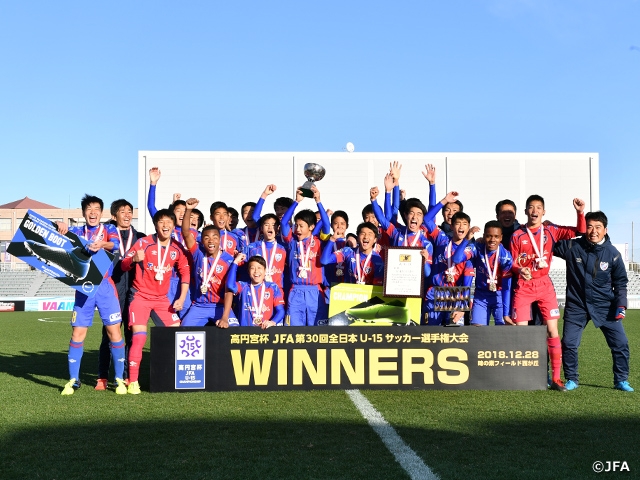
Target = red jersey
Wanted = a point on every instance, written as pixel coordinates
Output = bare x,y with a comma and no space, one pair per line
537,257
153,274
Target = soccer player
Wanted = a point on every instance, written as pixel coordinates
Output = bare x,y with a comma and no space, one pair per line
261,303
532,248
281,205
234,218
383,241
306,301
209,268
121,214
597,291
492,262
100,237
335,271
444,271
154,257
229,242
506,215
362,265
268,248
251,232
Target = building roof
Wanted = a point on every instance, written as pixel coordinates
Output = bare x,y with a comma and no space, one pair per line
27,203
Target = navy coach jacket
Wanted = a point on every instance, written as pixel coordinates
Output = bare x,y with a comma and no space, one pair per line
596,279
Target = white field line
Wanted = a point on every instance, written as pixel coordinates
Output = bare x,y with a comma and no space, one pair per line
404,455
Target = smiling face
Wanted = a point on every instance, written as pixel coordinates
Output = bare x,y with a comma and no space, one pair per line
339,227
123,217
280,211
414,219
164,228
596,231
92,214
220,218
460,229
179,211
370,217
366,240
247,214
506,216
492,238
535,212
256,273
269,230
193,220
449,210
303,229
233,221
210,240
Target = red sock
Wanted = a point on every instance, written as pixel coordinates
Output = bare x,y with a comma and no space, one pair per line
555,354
135,354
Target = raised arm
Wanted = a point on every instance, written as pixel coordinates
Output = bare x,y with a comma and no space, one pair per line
154,176
324,218
257,211
189,239
429,173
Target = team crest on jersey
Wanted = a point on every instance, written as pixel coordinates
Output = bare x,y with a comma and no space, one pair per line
267,295
367,270
219,268
173,255
604,266
229,243
278,257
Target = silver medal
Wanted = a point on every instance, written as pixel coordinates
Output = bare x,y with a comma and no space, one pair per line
159,276
339,272
268,278
203,288
542,263
492,286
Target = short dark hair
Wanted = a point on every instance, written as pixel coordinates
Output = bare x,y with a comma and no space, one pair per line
368,209
210,227
284,202
118,204
597,216
257,259
457,202
248,204
460,216
269,216
504,202
534,198
232,211
307,216
368,225
164,212
492,224
200,217
340,214
217,205
177,203
414,203
88,199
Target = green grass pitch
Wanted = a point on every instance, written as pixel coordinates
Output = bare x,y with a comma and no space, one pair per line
317,434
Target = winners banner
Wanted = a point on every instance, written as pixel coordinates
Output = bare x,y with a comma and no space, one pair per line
306,358
63,257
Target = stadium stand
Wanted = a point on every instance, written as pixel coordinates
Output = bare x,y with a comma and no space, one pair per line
31,283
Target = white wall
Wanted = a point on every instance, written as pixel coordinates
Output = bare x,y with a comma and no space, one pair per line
482,179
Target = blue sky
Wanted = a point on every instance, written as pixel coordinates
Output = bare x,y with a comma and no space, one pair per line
85,85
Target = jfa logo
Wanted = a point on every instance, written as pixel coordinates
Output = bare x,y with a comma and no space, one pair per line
610,466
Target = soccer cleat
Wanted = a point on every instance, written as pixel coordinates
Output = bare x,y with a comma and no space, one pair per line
558,385
121,388
101,384
134,388
624,386
75,263
571,385
70,387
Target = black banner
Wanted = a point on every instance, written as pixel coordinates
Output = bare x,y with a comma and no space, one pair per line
305,358
11,305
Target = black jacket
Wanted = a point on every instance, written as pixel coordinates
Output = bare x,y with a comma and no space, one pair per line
596,279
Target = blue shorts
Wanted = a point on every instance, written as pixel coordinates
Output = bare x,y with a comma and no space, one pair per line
306,305
485,305
174,293
106,299
201,314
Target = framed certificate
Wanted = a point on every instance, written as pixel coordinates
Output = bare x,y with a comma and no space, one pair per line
403,272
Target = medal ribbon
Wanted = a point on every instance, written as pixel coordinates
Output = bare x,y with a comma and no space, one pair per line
537,249
414,242
450,270
246,232
160,268
361,269
257,307
206,278
304,255
271,258
493,276
87,232
124,249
